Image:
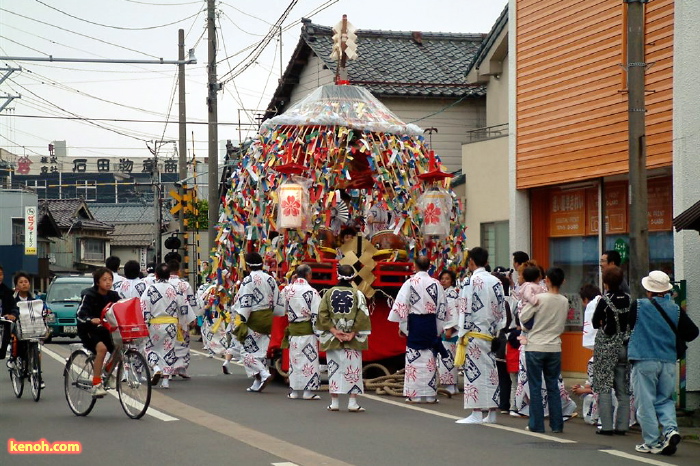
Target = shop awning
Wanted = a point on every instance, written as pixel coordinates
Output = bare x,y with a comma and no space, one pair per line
689,219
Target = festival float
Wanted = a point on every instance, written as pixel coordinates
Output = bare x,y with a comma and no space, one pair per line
337,158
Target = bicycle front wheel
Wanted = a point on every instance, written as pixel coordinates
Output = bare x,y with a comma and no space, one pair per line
77,383
34,369
17,376
134,384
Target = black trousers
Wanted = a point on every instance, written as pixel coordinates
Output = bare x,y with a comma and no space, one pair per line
504,384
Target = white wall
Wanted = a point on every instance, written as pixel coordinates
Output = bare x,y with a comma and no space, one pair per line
313,75
520,227
12,204
452,123
486,168
686,165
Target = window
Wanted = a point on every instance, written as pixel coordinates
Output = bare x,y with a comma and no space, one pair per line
37,185
87,189
17,231
494,238
93,249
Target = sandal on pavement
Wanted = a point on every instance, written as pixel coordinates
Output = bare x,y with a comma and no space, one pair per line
359,409
331,408
293,397
315,397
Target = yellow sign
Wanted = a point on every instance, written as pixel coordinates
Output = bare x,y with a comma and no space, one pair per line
184,202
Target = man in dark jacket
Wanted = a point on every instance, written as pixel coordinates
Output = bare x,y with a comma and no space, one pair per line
93,335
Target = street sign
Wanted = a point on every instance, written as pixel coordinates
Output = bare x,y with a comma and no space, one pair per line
184,202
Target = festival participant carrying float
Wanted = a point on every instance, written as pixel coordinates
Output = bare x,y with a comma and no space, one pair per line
323,165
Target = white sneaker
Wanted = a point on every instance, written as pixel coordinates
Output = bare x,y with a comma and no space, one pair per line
98,391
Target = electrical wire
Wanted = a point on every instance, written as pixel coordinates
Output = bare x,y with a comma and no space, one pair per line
163,4
18,145
23,45
246,14
240,28
78,34
255,53
121,120
121,28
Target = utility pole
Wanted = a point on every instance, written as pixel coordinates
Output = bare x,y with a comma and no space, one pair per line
213,121
638,199
182,145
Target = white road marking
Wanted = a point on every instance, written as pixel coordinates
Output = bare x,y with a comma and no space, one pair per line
151,411
284,464
630,456
206,355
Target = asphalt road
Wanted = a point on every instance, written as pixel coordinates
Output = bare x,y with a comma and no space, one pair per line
212,419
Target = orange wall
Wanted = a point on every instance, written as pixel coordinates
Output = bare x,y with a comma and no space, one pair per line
571,99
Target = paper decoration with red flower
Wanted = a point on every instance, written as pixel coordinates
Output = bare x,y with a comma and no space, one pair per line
432,214
291,206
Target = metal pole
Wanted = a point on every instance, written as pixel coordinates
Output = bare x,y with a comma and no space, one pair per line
182,144
156,205
639,222
213,130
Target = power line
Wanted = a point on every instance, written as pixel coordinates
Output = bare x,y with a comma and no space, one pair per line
116,27
162,4
78,34
119,120
255,53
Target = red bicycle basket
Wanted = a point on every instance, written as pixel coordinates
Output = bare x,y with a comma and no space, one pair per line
128,317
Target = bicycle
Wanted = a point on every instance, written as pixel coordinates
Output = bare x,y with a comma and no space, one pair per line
133,375
26,363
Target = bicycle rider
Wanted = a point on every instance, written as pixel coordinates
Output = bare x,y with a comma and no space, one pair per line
22,282
8,311
93,335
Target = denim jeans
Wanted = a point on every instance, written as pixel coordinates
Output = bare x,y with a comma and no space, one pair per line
653,384
540,363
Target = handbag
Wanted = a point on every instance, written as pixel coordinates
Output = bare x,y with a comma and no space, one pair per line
681,346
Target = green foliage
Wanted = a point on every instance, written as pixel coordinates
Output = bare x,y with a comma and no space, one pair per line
199,219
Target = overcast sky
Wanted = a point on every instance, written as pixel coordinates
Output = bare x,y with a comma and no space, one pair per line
108,29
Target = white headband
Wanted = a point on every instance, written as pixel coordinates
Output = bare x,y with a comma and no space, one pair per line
254,265
346,277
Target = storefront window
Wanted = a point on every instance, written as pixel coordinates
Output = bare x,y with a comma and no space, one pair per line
579,258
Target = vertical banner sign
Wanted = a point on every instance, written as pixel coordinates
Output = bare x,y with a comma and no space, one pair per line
30,242
143,258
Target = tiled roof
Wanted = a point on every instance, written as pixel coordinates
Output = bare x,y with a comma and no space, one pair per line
404,63
73,213
391,63
490,40
126,213
131,234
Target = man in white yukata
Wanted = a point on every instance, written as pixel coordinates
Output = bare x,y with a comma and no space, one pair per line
482,314
113,263
191,308
161,304
257,301
131,286
420,309
301,304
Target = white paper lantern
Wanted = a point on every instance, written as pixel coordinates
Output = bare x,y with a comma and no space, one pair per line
436,207
291,206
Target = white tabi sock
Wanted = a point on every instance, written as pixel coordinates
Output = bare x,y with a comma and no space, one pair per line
308,394
474,418
491,418
352,403
256,385
335,403
226,362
